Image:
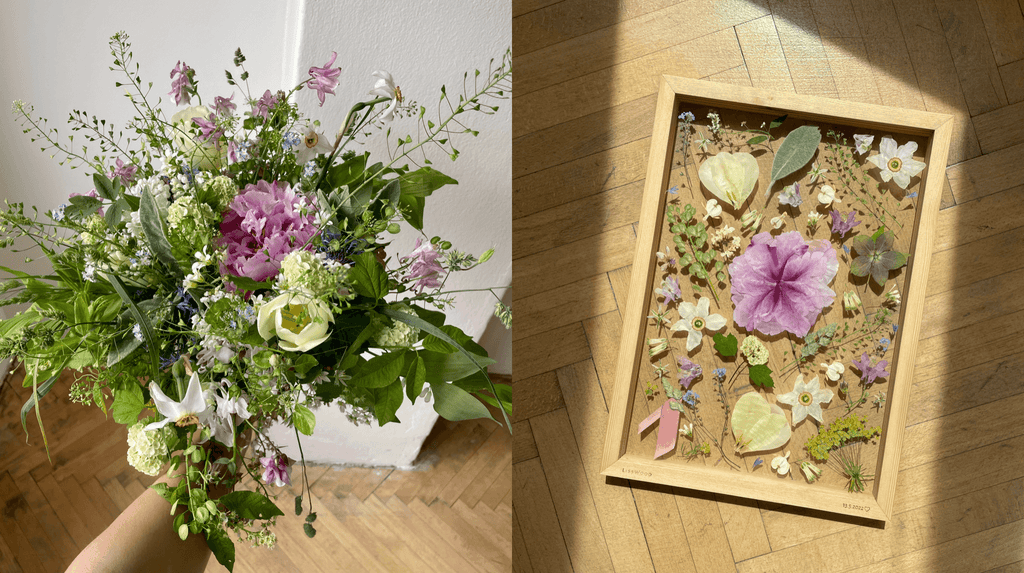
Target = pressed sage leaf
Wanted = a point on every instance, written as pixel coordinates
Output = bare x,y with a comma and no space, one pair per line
796,151
756,140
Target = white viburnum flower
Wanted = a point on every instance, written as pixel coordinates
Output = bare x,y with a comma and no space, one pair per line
147,450
806,399
897,163
694,318
191,409
781,464
862,143
385,87
834,371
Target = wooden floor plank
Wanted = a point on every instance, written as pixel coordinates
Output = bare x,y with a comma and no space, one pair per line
549,350
567,19
973,220
805,56
520,557
566,264
1005,26
502,540
976,261
498,489
991,173
492,450
1012,76
460,534
47,515
1000,128
888,54
565,305
28,544
972,54
763,55
446,553
363,535
544,541
523,445
743,527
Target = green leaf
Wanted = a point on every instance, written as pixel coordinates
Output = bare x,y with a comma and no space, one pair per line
113,215
455,404
222,547
38,392
308,529
761,376
122,348
82,205
415,376
431,342
369,278
304,420
412,210
250,505
429,328
142,320
298,505
726,345
247,284
379,371
423,182
153,228
756,140
128,404
796,151
446,367
688,212
814,341
104,187
386,402
777,121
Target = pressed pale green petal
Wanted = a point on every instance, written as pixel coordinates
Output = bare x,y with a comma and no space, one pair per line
758,425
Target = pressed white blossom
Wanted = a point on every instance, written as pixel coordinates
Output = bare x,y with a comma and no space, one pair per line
897,163
714,210
834,371
827,195
778,222
806,399
811,471
781,464
695,318
863,143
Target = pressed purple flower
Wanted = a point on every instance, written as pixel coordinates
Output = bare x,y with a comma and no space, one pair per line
275,471
209,128
670,290
181,85
263,105
223,105
842,227
780,284
324,79
425,269
126,173
869,371
260,228
791,196
688,372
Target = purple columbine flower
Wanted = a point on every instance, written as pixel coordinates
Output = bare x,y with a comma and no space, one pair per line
780,284
670,290
324,79
688,372
223,105
126,173
181,86
841,227
209,128
275,471
869,371
263,105
425,269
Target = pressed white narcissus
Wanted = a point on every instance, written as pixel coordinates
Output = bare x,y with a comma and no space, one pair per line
694,318
806,399
190,410
897,163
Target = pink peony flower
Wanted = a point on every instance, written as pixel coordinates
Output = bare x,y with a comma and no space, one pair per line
425,269
781,283
275,471
261,226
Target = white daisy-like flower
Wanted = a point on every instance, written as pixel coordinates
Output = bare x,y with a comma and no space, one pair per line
897,163
827,195
695,318
806,399
862,143
781,464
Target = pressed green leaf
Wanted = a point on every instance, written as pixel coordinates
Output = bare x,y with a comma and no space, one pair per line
250,505
796,151
761,376
379,371
756,140
308,530
726,345
304,420
455,404
778,121
128,404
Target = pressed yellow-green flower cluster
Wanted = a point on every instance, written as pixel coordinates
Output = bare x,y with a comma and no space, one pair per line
839,433
754,350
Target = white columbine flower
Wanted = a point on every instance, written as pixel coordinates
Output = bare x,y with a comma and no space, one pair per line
385,87
897,163
806,399
781,464
713,208
191,409
827,195
694,318
834,371
863,143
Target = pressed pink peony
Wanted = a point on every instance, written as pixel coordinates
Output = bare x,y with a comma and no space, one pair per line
261,226
780,284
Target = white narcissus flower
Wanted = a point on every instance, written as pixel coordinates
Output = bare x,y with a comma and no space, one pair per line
298,320
190,410
781,464
694,318
385,87
806,399
313,144
897,163
827,195
834,371
863,143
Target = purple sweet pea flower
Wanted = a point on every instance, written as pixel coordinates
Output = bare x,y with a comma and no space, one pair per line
688,372
223,105
260,228
275,471
841,227
324,79
780,284
209,128
869,371
182,85
263,105
424,269
125,173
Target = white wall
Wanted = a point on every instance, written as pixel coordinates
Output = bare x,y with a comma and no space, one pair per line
56,58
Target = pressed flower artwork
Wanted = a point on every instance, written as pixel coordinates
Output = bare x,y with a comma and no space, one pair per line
780,309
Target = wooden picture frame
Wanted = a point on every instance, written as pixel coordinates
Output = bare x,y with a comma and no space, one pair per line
622,457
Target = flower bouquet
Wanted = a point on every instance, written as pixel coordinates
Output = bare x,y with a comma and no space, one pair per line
229,270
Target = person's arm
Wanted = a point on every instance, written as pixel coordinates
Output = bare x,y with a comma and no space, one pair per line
142,540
